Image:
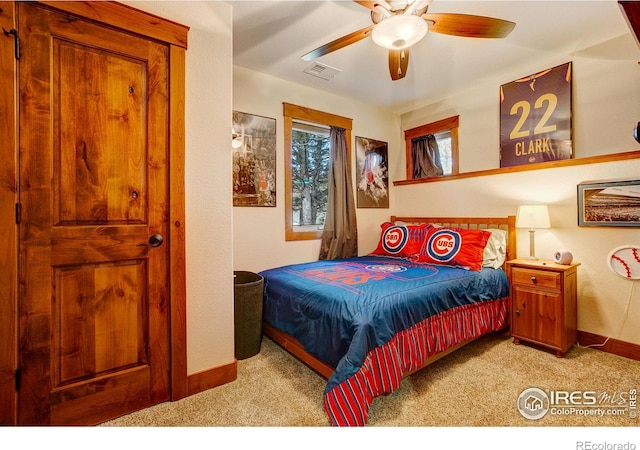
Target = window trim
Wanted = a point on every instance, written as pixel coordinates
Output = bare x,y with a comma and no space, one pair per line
294,112
449,124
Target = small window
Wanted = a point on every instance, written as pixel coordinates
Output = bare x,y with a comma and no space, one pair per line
442,137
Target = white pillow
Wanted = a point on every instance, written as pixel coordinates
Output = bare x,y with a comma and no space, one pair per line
495,251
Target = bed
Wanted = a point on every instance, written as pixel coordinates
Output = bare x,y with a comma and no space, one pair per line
365,323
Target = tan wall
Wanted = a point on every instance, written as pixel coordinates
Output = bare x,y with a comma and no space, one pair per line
259,231
605,109
221,238
207,179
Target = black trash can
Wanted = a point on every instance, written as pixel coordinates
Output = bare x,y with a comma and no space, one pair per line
247,296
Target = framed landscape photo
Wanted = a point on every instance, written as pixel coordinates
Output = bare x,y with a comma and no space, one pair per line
253,145
372,173
609,204
535,118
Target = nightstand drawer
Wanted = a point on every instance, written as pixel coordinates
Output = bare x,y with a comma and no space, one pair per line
537,278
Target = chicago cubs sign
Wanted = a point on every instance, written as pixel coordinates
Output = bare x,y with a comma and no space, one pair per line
394,239
443,245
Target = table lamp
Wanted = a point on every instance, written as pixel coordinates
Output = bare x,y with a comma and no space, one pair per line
532,217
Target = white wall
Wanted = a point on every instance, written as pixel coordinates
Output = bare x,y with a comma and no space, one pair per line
221,238
606,105
605,109
259,241
208,178
602,295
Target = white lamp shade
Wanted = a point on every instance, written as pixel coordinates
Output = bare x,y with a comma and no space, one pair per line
533,216
400,31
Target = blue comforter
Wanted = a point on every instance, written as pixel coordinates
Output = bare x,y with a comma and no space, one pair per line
340,310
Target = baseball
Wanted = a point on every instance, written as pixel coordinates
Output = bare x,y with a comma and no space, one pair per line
625,261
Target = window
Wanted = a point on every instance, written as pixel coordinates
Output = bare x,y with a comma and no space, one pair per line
445,133
307,163
309,173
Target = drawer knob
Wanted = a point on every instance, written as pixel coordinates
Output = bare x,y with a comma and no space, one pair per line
534,280
517,312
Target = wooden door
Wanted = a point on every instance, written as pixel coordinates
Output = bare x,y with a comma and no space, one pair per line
538,315
94,303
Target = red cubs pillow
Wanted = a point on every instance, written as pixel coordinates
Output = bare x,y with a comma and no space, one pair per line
401,241
455,247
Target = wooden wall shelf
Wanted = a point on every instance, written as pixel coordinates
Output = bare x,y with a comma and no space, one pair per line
545,165
631,11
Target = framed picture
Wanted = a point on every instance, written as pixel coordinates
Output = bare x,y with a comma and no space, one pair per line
609,204
372,173
253,143
535,118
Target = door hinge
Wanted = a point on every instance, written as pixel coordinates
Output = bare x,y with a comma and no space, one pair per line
16,40
18,377
18,213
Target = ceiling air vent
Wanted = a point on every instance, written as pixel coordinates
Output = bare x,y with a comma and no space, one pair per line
322,71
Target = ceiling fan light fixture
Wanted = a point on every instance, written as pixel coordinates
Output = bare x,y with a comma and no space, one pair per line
399,31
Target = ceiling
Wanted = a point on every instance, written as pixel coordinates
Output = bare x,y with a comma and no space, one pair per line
271,36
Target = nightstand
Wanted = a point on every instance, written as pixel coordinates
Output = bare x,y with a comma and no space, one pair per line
544,303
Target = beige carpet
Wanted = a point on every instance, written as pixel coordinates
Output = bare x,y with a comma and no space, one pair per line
477,386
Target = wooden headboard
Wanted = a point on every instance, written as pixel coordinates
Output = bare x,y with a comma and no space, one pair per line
473,223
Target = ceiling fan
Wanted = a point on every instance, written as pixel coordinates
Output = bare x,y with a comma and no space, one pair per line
398,24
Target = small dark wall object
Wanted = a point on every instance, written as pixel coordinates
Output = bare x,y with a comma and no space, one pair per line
247,293
636,132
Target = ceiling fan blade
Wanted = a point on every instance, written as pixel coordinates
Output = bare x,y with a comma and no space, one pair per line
398,63
339,43
466,25
417,5
373,5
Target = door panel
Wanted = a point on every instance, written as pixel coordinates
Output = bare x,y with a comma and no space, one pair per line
94,332
99,174
99,319
537,313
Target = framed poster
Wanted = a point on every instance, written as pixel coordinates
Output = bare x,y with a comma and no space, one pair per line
609,204
253,144
372,173
535,118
